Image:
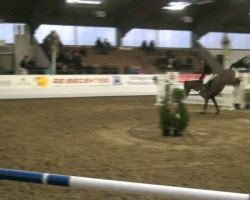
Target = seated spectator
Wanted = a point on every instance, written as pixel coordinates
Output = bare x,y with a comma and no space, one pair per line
104,69
127,69
171,61
98,43
90,69
144,45
25,62
114,69
102,47
139,70
61,68
32,63
106,43
189,60
151,47
106,47
169,53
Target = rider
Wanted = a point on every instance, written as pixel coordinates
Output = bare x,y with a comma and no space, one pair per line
205,70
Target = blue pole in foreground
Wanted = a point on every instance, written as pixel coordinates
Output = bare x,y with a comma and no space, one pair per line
34,177
119,186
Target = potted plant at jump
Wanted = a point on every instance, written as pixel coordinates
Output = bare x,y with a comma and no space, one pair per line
166,119
181,115
174,117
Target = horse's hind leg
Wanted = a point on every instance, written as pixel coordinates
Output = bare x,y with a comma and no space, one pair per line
205,106
216,105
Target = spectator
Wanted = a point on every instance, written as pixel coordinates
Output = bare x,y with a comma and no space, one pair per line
53,39
144,45
106,47
32,63
151,47
169,53
106,43
98,43
25,62
102,47
76,63
127,69
171,61
139,70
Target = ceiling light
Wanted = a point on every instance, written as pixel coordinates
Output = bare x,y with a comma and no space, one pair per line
176,5
187,19
101,14
84,1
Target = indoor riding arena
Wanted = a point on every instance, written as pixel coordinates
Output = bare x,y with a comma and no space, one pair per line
119,138
125,100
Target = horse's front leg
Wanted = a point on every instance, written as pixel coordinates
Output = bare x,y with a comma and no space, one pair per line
216,105
205,105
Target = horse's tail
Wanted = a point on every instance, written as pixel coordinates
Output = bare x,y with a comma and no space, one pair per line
185,85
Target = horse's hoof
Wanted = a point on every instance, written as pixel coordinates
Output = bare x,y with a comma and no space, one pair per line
217,113
202,112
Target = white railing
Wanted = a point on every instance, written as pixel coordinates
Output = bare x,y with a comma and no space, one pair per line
120,186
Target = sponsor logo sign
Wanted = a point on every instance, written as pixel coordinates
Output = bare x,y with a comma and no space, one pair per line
5,83
117,80
140,80
42,81
73,81
23,82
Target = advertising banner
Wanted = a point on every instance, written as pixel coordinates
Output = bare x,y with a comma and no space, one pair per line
139,80
188,77
6,82
24,81
81,80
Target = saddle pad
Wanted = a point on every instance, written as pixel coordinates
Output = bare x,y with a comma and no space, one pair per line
209,77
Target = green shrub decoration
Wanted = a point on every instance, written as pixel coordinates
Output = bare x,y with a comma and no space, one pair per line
166,118
178,95
174,118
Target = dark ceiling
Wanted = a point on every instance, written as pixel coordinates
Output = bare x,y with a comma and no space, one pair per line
220,15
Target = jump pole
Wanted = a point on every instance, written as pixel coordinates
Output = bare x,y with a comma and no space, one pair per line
176,193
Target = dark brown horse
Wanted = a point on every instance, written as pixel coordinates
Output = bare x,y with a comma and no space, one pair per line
212,88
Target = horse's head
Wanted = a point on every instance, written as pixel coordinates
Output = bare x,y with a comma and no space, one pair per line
237,82
186,88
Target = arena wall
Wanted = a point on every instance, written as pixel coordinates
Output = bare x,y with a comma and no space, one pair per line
51,86
59,86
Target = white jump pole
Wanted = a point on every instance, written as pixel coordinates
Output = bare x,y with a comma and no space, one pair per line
176,193
164,87
161,90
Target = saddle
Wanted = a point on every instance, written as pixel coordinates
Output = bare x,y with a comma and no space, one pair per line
206,86
206,89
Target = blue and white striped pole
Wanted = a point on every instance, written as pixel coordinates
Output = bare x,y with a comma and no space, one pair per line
120,186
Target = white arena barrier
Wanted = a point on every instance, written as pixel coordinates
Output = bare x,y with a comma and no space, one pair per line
177,193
